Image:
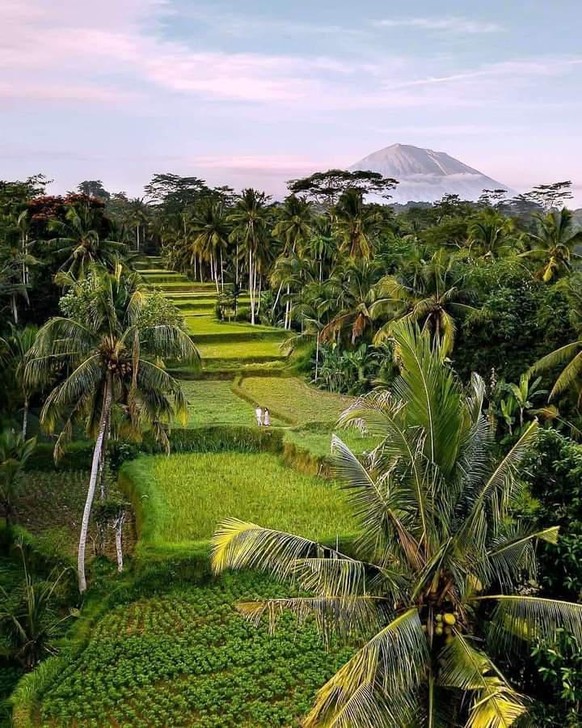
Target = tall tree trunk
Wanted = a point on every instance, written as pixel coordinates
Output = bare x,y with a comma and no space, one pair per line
221,271
288,310
251,286
97,450
137,237
215,263
317,358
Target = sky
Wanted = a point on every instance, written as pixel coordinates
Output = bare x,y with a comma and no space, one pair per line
255,92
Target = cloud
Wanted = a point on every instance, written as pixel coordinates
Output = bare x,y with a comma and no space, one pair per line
117,53
442,25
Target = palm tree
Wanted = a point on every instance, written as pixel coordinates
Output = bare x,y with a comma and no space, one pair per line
79,237
553,243
107,351
492,235
355,224
571,374
29,616
434,594
139,217
210,231
321,246
250,230
13,356
355,301
293,229
432,297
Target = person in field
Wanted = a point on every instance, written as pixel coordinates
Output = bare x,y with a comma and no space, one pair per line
259,415
266,418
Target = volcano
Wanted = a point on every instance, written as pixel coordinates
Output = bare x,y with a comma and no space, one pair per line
425,175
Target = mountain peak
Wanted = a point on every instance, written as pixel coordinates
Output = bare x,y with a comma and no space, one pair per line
425,175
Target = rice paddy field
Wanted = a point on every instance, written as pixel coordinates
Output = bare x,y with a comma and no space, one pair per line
318,442
242,351
296,400
188,495
212,402
186,658
175,652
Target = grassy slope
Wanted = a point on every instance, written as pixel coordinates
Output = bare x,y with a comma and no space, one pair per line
189,494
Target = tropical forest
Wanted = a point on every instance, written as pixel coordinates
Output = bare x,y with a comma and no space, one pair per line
312,461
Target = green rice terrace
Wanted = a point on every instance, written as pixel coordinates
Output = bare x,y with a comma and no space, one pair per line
167,648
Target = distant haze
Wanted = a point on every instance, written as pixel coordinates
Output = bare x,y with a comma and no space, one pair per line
425,175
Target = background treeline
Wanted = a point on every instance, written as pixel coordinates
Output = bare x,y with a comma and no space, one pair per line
498,279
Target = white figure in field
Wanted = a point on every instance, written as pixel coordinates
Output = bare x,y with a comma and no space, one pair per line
266,418
259,415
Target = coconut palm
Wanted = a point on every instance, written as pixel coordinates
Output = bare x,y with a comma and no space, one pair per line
108,351
210,237
79,238
250,231
13,351
571,375
553,243
492,235
435,592
357,295
138,218
431,296
355,224
293,228
321,247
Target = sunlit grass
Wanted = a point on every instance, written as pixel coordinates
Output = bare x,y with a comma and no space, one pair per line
294,399
187,495
242,350
213,402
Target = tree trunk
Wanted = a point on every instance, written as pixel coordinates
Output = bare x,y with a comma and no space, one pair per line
288,310
25,418
14,307
215,264
97,450
119,521
251,287
221,272
317,358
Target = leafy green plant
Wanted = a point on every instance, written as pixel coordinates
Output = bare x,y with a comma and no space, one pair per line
29,617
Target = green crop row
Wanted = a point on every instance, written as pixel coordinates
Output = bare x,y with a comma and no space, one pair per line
188,659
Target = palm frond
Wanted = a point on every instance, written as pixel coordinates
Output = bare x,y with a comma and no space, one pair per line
380,515
496,704
392,663
237,545
517,618
510,557
348,617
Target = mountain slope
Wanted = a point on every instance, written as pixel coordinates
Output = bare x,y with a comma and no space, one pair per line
425,175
